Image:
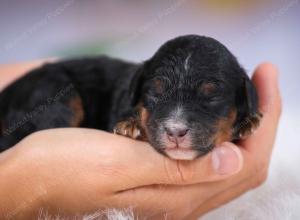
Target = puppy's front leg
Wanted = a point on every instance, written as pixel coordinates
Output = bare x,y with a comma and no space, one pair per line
130,128
135,125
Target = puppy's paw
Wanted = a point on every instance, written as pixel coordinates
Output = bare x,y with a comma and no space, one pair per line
129,128
249,125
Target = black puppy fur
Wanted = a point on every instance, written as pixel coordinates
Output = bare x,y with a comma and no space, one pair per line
194,74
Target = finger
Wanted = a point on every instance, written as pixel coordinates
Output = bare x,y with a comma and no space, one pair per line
183,200
265,79
221,163
173,201
220,199
125,163
178,201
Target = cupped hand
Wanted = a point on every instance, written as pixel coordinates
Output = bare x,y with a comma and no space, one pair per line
80,171
74,171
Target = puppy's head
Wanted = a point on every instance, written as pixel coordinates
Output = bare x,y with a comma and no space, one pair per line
193,96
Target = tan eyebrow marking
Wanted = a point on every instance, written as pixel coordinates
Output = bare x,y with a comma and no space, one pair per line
208,88
224,128
158,86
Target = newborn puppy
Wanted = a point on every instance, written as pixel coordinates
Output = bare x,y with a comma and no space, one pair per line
189,97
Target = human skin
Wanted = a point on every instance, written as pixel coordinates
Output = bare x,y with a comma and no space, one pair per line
74,170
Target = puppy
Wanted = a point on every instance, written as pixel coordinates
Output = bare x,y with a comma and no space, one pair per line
185,100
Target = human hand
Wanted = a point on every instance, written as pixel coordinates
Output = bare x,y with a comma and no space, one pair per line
80,171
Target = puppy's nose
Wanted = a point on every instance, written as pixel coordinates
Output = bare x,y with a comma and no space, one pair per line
176,135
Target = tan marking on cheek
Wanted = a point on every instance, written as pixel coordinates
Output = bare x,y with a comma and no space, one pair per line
143,118
224,128
78,112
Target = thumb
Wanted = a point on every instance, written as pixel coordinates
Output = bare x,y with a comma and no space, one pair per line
227,159
224,161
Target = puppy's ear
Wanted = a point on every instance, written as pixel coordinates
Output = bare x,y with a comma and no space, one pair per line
136,85
3,131
248,115
250,97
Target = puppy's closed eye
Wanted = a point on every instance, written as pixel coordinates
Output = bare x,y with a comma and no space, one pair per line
215,100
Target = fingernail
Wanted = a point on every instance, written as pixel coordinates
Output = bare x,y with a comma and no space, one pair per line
226,159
